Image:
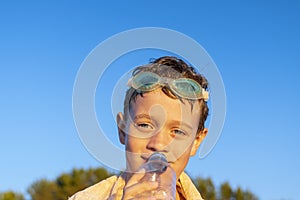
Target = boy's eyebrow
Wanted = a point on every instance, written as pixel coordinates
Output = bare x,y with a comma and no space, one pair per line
181,123
142,116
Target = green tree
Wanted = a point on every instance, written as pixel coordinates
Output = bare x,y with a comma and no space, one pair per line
239,194
66,184
43,190
10,195
206,188
226,191
249,195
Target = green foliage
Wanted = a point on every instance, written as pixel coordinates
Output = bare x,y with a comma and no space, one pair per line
206,188
226,191
10,195
66,184
43,189
249,196
239,194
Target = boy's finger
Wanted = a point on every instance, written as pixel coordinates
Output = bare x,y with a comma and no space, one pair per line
135,178
134,190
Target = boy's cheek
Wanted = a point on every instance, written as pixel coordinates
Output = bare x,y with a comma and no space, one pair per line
178,148
135,147
134,152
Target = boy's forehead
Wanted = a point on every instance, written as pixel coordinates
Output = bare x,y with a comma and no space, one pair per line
158,103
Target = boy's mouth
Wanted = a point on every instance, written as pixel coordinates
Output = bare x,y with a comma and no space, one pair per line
147,156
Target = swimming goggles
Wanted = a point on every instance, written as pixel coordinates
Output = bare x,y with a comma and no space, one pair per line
183,87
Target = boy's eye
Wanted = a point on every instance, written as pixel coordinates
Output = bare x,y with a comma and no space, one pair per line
178,132
144,126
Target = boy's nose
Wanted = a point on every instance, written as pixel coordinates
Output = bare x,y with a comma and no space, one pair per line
159,142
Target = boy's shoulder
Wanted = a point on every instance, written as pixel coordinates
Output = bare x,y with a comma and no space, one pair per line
186,186
101,189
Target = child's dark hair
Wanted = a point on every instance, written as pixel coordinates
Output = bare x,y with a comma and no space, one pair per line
174,68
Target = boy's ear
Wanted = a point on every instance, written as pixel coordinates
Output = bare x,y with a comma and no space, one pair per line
198,140
121,127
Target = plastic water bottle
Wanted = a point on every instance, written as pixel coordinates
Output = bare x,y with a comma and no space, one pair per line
158,170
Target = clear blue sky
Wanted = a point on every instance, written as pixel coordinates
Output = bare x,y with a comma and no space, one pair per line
255,45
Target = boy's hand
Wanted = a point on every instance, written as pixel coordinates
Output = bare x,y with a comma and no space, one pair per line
136,186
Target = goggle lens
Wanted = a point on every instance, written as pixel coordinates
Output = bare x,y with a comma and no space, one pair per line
145,81
183,87
187,88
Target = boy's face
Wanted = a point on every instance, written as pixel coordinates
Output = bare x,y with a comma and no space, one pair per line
160,123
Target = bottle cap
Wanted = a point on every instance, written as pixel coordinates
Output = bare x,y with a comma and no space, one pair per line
158,162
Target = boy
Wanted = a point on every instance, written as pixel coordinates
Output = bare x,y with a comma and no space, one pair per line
164,111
